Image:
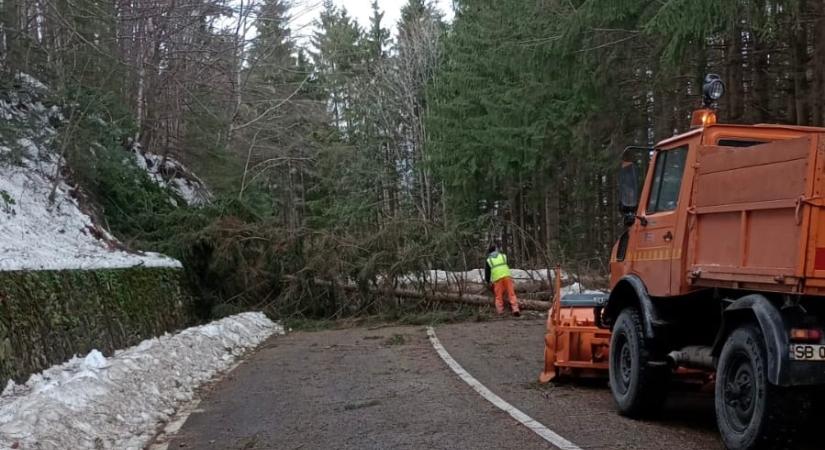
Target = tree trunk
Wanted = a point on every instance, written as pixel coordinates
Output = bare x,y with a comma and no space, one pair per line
762,104
444,297
818,66
736,95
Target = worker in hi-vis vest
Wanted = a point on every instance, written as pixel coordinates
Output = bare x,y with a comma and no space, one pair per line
498,272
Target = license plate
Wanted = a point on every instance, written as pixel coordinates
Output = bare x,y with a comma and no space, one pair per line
807,352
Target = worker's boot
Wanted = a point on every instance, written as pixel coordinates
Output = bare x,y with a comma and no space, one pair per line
514,308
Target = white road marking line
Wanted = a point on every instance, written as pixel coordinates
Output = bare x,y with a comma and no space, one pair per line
545,433
161,441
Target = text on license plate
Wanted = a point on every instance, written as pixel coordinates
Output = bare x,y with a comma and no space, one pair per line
808,352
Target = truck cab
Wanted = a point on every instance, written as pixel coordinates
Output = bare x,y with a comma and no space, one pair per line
744,181
721,268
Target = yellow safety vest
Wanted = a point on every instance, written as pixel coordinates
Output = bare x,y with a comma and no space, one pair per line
498,267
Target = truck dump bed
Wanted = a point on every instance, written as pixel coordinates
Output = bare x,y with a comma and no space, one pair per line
755,219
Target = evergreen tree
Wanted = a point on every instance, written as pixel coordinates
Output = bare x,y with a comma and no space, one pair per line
337,59
279,116
490,111
272,49
377,37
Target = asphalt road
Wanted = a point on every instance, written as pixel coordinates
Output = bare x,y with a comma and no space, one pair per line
387,388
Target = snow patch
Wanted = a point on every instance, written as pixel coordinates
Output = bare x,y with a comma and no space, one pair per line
169,172
94,402
42,226
31,82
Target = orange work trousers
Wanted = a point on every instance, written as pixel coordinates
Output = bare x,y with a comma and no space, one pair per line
505,284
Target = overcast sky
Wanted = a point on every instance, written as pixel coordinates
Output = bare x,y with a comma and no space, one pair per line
304,12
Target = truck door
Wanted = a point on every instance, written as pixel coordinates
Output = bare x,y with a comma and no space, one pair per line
656,229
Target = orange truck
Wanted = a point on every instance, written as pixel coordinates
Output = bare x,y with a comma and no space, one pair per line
722,268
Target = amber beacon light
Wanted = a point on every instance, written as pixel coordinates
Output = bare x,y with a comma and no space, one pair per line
713,89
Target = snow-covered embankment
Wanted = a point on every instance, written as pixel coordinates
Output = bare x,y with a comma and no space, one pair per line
119,402
42,223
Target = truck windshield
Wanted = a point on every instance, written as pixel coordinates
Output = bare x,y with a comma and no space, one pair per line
667,180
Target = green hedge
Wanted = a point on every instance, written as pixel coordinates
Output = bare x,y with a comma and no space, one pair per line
46,317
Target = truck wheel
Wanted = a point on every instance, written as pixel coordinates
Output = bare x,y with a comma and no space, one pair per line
752,413
639,388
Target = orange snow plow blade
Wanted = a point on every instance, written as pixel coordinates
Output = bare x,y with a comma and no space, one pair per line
573,345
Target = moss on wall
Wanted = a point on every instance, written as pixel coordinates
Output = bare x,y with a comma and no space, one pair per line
46,317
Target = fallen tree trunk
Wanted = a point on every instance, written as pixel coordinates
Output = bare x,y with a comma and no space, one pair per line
472,287
446,297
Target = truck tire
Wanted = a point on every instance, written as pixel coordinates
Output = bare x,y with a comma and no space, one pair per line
639,388
751,412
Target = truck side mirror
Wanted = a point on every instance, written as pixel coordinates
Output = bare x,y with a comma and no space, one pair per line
628,188
634,163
